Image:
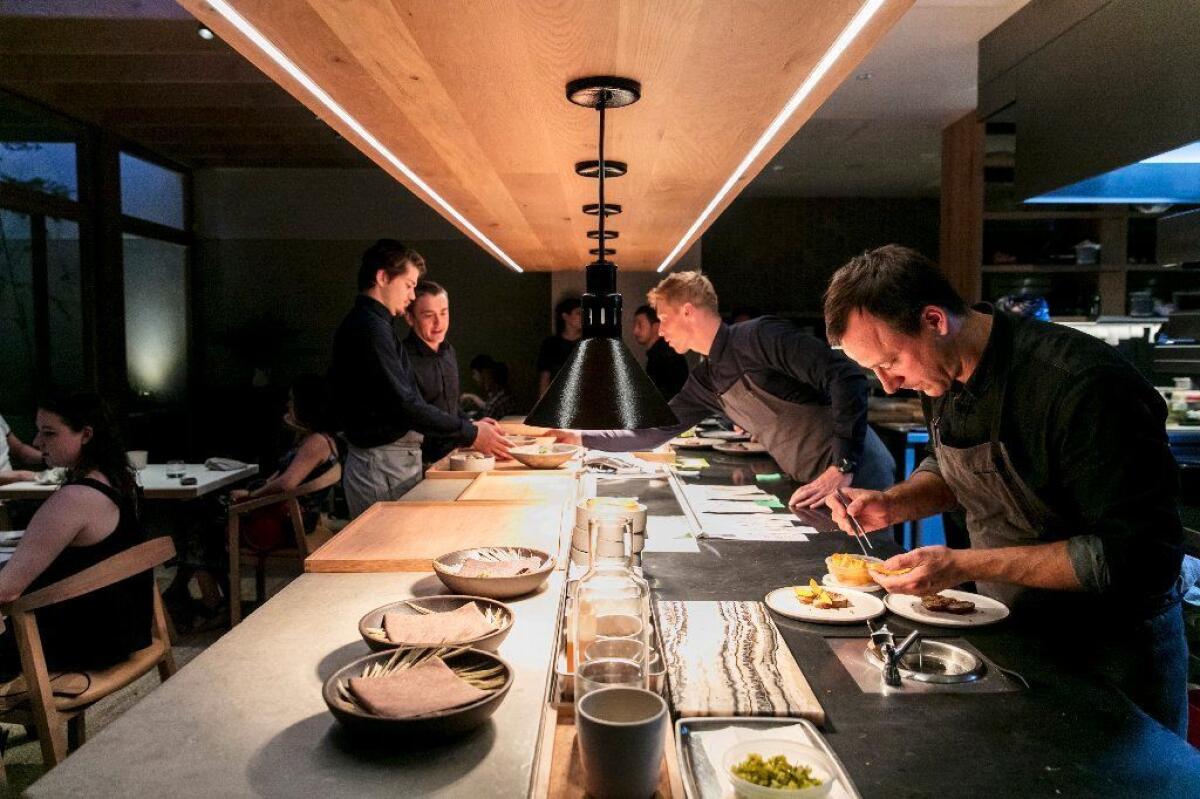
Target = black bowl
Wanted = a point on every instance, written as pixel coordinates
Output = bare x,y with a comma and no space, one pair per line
439,604
442,724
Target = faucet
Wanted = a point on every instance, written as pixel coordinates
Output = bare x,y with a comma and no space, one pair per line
885,642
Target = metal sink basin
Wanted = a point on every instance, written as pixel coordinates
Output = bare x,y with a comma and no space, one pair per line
935,662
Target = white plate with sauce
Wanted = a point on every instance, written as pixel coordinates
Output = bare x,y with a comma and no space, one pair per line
862,607
987,610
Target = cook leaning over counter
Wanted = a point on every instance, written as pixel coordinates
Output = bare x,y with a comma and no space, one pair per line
805,402
1055,447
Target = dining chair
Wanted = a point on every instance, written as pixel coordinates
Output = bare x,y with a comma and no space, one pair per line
305,541
55,702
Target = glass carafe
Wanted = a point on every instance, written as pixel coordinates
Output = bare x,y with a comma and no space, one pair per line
610,617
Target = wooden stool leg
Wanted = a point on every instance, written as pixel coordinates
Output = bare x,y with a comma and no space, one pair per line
49,721
260,580
235,572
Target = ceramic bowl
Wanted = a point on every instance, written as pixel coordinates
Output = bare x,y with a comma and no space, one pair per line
493,587
853,576
797,754
471,461
441,724
373,620
544,456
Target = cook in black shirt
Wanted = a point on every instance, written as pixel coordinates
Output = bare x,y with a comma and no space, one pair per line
1056,449
667,369
383,414
556,349
433,359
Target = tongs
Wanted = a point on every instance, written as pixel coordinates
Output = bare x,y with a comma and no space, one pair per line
860,535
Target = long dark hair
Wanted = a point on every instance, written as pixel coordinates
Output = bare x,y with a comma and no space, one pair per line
311,405
104,452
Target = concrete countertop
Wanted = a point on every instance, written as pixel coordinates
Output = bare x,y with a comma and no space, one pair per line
246,717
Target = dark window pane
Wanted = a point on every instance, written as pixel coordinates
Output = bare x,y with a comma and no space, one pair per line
48,167
17,361
151,192
65,311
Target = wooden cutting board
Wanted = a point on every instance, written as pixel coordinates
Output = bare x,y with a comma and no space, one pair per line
729,659
547,486
407,536
440,470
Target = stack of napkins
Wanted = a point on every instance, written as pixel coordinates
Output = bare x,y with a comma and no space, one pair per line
427,687
462,624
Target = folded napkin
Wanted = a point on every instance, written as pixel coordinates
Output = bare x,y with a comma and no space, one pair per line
425,688
223,465
461,624
473,567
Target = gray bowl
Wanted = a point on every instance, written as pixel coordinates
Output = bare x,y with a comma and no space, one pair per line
439,725
439,604
494,587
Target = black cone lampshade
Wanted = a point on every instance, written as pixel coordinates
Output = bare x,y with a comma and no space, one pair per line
602,386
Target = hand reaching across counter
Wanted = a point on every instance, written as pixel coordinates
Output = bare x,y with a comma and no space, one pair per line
490,440
812,494
566,437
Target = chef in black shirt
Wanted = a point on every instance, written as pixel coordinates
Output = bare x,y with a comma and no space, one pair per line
667,369
383,414
434,361
806,403
557,349
1056,449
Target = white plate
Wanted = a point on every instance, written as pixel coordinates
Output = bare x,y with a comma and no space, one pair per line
832,582
863,606
740,448
987,610
11,537
727,435
693,442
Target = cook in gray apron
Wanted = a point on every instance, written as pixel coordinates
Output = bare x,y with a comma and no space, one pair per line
1145,657
800,436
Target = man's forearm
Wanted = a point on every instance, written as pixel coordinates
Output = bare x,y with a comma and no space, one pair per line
921,495
1036,566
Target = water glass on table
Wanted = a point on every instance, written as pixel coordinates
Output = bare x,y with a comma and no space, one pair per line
176,469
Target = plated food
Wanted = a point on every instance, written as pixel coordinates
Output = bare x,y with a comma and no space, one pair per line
878,569
984,610
814,603
418,692
468,460
944,604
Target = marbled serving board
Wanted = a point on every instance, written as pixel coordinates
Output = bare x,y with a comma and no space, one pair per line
729,659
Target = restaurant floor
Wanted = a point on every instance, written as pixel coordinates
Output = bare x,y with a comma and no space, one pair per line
22,754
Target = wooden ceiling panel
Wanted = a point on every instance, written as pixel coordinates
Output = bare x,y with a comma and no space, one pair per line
470,96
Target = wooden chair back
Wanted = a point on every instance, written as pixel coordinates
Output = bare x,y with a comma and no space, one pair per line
52,715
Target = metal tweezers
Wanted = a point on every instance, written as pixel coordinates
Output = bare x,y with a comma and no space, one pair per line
859,534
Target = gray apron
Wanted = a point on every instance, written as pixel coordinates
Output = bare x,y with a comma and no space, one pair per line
1001,509
1145,658
800,437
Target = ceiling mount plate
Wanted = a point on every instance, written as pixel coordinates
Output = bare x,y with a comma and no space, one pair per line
607,91
591,169
610,209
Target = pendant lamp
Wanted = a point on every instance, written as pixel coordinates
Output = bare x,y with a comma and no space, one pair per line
602,386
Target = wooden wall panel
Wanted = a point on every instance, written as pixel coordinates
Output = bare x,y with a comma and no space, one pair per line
961,251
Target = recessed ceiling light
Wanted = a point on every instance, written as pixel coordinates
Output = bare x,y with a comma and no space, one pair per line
777,168
860,20
269,49
864,76
205,33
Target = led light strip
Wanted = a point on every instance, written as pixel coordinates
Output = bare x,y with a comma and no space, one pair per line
827,61
275,54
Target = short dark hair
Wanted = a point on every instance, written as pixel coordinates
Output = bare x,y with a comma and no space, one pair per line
427,288
481,362
648,312
564,306
394,257
893,283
